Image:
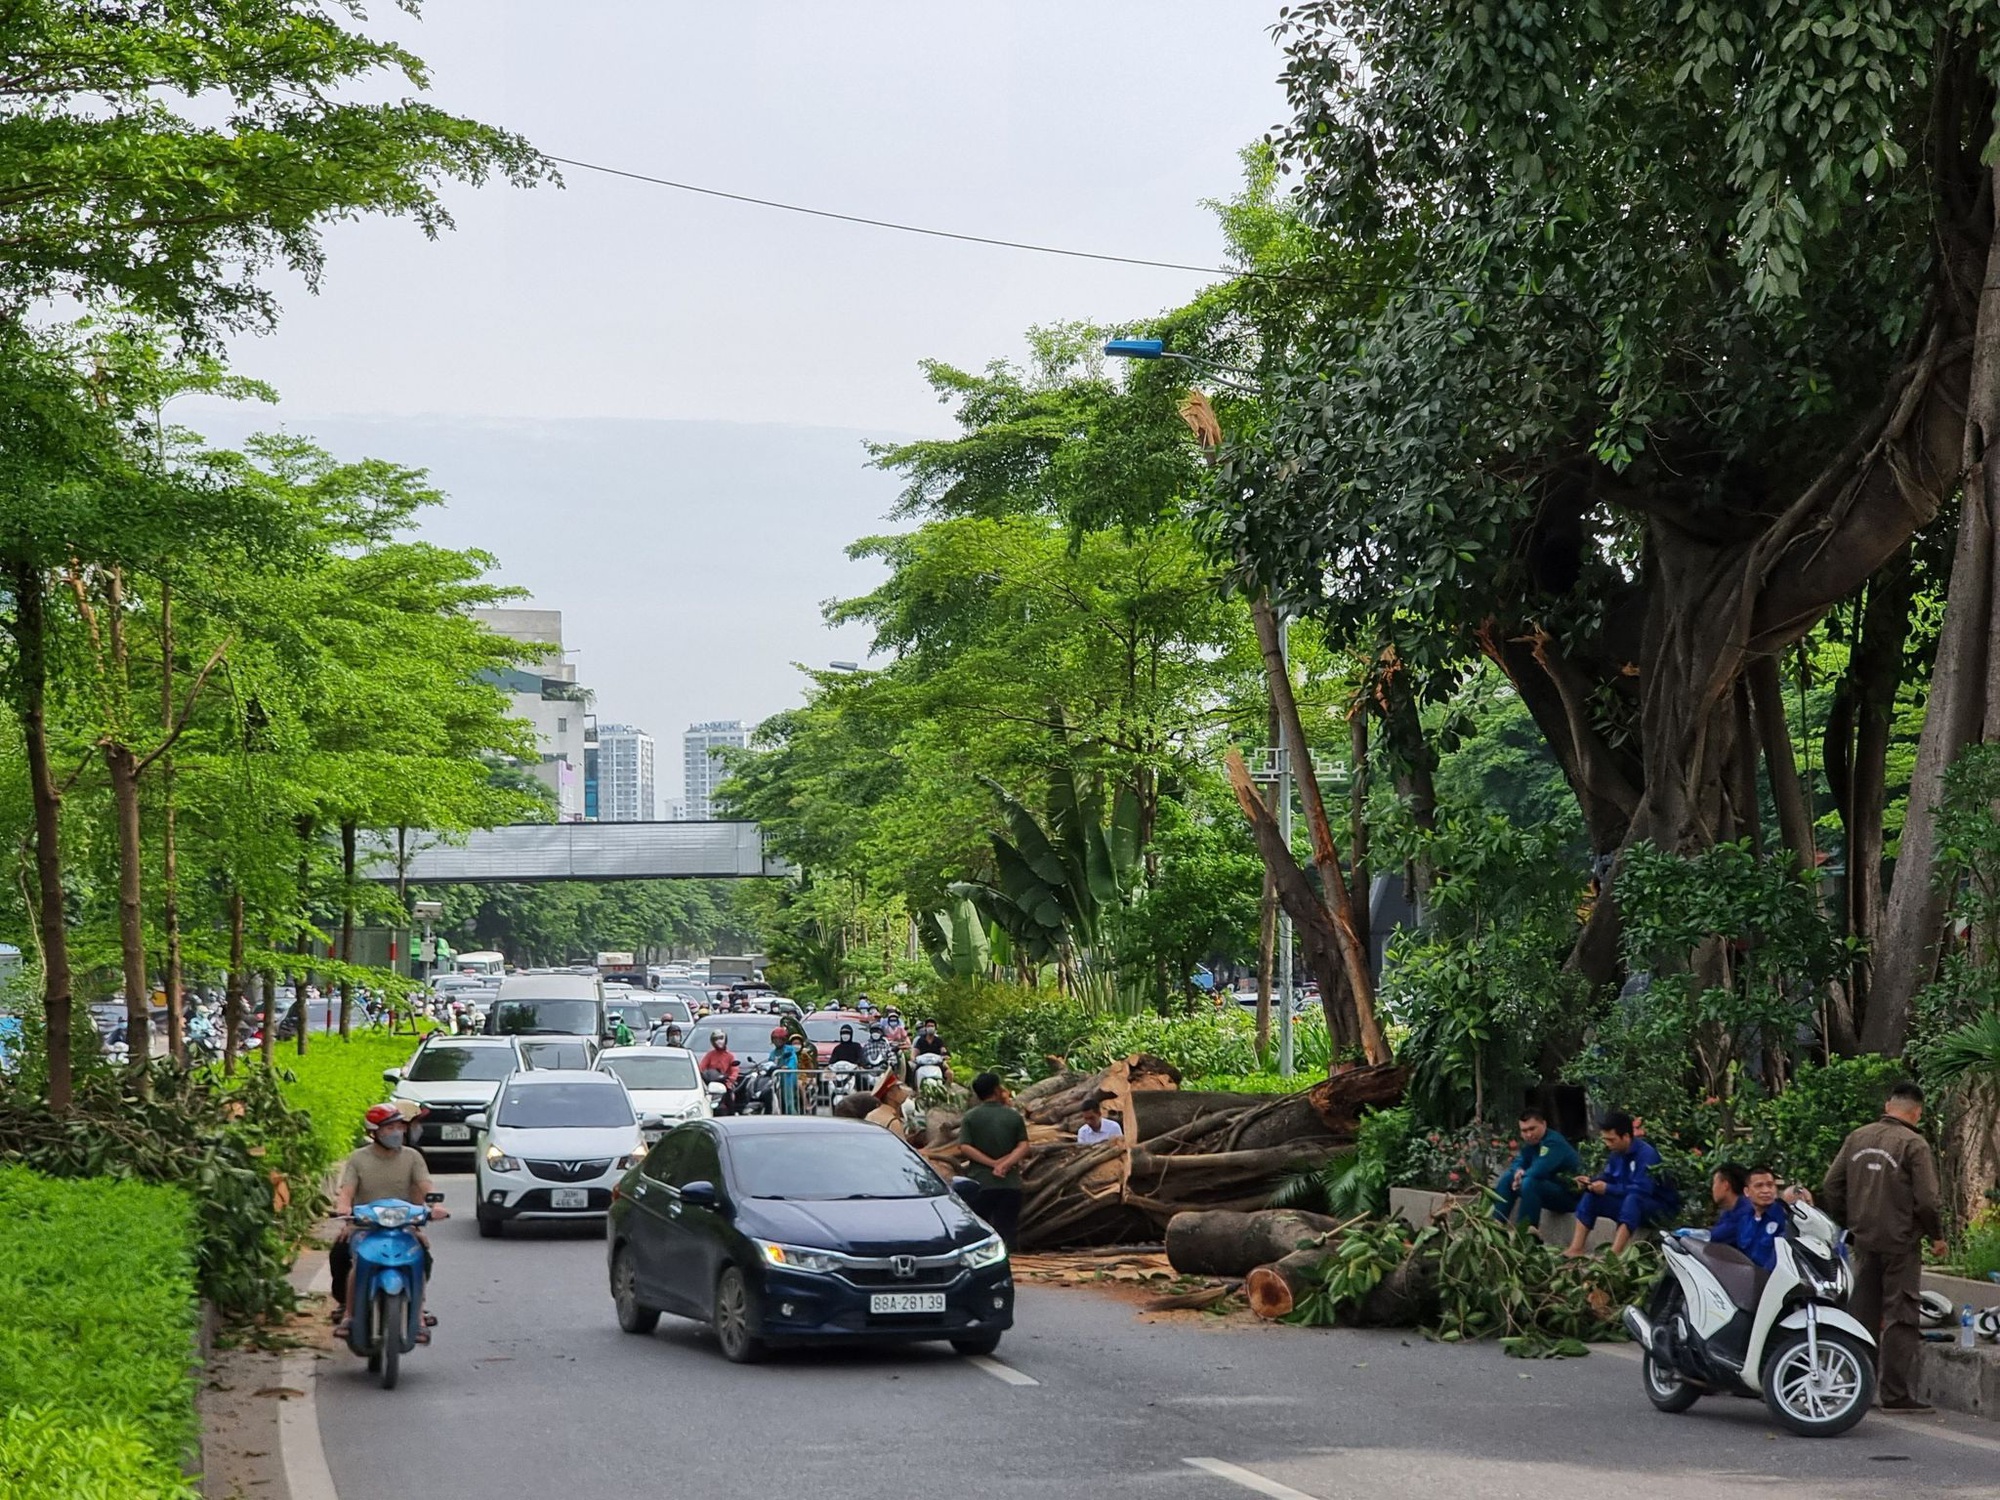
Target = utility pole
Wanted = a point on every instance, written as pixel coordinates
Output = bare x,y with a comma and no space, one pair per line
1285,828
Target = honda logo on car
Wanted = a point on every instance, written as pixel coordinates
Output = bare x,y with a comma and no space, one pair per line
904,1266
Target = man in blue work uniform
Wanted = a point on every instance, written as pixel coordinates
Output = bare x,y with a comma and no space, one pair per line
1541,1175
1632,1188
1758,1221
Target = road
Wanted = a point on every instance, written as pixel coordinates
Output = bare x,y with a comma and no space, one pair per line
530,1390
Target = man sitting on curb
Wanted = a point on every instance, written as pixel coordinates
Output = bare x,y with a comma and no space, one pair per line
1539,1178
1631,1188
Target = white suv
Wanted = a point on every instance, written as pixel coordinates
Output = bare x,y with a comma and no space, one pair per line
552,1146
452,1077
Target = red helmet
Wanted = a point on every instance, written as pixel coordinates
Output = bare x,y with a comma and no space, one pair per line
382,1114
779,1034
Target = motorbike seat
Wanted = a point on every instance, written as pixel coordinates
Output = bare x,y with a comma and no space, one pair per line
1736,1272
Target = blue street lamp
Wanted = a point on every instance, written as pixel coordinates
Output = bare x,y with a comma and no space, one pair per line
1241,381
1138,349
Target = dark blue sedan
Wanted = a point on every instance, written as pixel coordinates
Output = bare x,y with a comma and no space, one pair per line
777,1229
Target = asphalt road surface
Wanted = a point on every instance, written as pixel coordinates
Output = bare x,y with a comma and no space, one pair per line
530,1390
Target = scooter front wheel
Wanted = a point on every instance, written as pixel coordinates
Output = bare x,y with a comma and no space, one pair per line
395,1323
1819,1390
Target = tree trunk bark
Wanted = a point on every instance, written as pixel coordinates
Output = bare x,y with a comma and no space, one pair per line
1963,703
170,898
1216,1242
232,1001
1357,830
269,1043
32,681
1326,854
123,768
1795,820
347,833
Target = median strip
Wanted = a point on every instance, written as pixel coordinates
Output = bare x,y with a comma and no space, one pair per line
1248,1478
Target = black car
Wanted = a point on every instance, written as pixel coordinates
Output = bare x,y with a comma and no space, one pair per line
803,1230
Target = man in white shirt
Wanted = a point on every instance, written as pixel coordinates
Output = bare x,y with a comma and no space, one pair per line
1095,1127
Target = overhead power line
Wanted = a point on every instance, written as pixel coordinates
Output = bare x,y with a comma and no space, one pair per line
1226,272
938,234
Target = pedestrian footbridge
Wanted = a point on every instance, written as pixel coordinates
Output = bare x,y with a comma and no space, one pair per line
581,851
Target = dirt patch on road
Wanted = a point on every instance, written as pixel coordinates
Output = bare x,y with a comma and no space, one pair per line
1140,1277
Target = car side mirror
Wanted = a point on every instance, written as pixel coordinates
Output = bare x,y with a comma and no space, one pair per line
392,1075
653,1122
701,1195
477,1122
967,1188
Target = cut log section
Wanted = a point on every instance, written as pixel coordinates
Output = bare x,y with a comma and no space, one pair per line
1274,1290
1218,1242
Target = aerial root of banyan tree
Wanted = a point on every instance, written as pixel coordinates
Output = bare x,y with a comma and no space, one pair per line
1183,1149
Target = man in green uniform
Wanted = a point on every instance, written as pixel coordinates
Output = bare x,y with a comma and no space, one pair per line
994,1139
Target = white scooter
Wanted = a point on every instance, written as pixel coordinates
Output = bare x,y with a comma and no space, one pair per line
1715,1326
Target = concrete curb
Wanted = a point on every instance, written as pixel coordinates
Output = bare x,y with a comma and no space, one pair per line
307,1476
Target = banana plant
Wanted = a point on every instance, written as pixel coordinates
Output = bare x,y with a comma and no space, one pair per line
1058,878
957,940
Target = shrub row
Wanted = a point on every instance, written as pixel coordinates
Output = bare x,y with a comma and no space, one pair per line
97,1346
334,1084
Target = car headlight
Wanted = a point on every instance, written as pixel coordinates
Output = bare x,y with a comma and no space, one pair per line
632,1159
988,1252
798,1258
499,1161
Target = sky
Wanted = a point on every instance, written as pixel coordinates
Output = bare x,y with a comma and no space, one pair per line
653,406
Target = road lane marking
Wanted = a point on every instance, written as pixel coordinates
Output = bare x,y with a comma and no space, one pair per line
306,1475
1249,1479
999,1371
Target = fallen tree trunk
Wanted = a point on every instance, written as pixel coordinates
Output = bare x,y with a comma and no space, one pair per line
1217,1242
1401,1299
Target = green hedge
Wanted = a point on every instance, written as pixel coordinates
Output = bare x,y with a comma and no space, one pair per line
97,1338
336,1081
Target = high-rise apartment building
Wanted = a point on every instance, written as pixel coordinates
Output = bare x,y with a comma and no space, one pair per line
546,694
703,768
625,789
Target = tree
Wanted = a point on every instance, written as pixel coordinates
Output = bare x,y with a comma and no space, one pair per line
1686,362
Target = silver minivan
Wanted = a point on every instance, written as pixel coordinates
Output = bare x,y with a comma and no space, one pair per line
548,1005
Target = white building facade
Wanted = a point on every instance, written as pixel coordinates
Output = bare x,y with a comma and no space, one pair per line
703,769
547,695
625,781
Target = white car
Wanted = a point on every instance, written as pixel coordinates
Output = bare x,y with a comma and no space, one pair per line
452,1078
553,1145
662,1081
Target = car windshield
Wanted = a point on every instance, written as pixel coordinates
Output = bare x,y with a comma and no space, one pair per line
631,1012
556,1054
745,1033
462,1064
857,1163
545,1017
558,1106
658,1011
829,1029
665,1072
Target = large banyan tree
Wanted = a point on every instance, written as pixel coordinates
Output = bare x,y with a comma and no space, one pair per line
1692,338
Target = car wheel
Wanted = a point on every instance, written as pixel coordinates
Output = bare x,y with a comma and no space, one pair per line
489,1229
633,1315
985,1343
736,1318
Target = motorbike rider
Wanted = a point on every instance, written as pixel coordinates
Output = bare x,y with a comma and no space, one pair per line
669,1035
877,1052
384,1168
719,1059
847,1050
892,1022
929,1044
621,1033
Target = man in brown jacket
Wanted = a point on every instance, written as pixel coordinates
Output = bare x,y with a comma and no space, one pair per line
1883,1185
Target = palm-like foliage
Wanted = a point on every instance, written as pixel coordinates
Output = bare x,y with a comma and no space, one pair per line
1970,1054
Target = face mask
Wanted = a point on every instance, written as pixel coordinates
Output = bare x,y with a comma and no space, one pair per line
389,1140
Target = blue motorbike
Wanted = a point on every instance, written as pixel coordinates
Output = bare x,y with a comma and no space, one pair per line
387,1313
